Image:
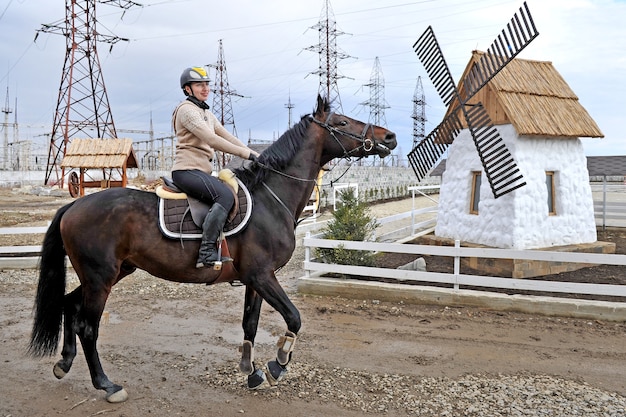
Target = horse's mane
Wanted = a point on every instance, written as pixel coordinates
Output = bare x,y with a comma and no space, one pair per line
281,152
276,156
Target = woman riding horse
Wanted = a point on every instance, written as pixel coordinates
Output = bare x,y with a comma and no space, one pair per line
109,234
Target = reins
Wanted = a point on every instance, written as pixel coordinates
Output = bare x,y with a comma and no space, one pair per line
366,143
295,222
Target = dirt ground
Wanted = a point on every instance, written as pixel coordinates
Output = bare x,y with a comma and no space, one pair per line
174,348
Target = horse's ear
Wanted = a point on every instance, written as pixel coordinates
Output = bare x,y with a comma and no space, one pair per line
319,109
323,106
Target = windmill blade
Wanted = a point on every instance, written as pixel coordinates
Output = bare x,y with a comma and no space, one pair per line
426,153
512,40
429,53
501,170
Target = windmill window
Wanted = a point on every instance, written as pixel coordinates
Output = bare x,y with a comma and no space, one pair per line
551,193
475,196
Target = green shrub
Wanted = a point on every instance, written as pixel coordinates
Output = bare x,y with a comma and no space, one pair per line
351,221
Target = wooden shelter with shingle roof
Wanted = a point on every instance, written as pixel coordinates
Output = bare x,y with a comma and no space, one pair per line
109,157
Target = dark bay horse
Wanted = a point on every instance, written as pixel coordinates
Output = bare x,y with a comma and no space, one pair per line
109,234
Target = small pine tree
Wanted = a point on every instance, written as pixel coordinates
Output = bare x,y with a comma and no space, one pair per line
351,221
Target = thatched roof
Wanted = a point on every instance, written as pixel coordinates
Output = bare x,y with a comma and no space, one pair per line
535,99
100,153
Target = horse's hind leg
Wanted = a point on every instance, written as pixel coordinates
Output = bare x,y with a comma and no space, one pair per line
70,310
95,294
250,323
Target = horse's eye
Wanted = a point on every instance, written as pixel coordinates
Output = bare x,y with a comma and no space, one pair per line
343,123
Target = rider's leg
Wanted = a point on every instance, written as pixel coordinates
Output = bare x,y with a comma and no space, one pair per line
209,189
211,231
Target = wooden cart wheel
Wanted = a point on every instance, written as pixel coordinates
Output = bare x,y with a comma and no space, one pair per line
74,185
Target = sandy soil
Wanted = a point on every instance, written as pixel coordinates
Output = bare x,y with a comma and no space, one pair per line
174,348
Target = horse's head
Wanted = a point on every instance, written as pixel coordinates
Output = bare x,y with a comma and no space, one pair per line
327,134
349,137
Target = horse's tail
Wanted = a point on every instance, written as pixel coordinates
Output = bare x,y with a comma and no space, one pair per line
49,301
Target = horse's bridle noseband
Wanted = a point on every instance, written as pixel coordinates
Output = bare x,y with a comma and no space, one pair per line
366,143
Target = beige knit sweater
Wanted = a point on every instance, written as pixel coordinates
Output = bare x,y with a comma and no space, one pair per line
199,135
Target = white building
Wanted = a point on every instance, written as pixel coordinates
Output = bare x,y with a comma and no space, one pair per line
541,121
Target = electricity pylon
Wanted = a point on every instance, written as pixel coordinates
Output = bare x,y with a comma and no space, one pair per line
222,103
419,113
82,105
329,55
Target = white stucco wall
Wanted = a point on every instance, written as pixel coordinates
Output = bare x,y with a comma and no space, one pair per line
519,220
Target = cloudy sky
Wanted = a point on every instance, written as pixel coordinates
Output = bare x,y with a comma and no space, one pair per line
265,47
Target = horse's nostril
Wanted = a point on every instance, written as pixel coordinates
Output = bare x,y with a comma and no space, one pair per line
390,137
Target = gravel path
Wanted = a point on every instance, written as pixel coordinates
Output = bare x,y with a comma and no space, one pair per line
312,380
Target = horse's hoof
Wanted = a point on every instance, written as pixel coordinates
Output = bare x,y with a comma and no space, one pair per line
275,372
58,371
118,396
257,380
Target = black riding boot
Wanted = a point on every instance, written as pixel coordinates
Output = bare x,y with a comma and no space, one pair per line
211,229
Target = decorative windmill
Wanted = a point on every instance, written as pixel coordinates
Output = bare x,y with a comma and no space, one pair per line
500,168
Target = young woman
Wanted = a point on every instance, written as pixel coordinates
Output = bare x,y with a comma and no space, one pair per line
199,135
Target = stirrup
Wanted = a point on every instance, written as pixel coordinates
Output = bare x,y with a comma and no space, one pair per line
217,265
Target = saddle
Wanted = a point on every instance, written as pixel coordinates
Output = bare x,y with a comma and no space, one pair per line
181,216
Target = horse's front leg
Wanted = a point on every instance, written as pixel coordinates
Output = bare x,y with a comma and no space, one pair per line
272,292
250,324
277,368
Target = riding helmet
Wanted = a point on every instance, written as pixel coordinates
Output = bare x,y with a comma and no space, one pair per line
193,74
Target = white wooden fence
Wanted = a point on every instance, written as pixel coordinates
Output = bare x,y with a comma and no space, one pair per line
609,213
456,280
20,256
615,211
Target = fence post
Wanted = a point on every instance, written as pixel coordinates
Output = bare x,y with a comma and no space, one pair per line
604,203
307,256
457,265
413,211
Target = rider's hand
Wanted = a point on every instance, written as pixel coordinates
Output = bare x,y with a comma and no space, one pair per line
252,157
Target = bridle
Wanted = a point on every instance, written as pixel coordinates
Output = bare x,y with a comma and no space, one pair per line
366,143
